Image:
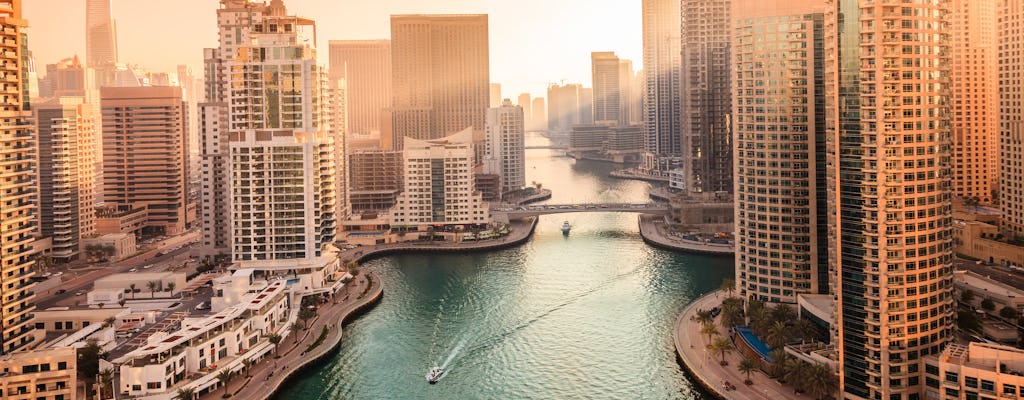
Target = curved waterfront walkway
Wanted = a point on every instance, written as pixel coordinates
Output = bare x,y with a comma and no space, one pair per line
654,235
703,366
268,375
520,232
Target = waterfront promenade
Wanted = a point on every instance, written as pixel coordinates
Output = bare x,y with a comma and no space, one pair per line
519,232
703,366
268,375
653,232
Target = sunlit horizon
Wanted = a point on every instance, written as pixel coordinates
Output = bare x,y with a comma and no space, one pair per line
532,43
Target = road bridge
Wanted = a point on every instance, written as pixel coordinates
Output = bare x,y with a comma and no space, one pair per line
545,209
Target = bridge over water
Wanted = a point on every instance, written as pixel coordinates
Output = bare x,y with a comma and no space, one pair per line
527,211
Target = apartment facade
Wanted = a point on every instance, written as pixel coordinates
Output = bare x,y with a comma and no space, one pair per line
505,148
66,147
40,374
605,76
17,183
890,192
1011,116
662,77
365,65
375,180
778,117
144,152
439,185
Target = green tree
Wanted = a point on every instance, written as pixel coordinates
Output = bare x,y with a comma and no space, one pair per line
968,321
185,394
795,372
732,313
967,297
728,286
109,322
722,346
224,377
89,362
152,286
246,364
132,287
988,304
805,330
747,367
275,340
170,287
821,382
306,314
778,335
704,317
295,327
105,379
779,358
1009,312
783,313
709,330
121,302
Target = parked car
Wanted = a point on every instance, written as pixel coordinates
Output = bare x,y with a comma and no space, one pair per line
61,291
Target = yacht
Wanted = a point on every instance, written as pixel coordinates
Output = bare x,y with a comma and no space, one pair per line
434,375
566,227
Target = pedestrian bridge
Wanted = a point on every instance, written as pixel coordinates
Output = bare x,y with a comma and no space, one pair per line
527,211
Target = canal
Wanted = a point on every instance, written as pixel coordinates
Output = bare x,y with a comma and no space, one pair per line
588,315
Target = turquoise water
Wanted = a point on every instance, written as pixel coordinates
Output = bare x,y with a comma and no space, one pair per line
588,316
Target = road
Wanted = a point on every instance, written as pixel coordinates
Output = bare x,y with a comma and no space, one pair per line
82,278
996,272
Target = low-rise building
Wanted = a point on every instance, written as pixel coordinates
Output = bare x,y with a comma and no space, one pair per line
121,219
170,283
986,288
192,357
976,371
980,240
64,320
123,244
39,374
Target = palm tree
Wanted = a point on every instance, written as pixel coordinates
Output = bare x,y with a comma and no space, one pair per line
746,366
704,317
132,287
795,372
306,314
805,329
121,302
821,382
275,339
709,330
778,335
152,285
171,286
224,376
109,322
101,304
728,286
777,368
722,346
104,379
732,313
185,394
783,312
295,326
246,364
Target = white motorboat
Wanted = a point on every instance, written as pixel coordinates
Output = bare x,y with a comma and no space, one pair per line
434,375
566,227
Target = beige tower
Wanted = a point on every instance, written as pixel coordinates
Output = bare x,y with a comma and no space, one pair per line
606,77
975,100
1011,117
144,148
780,154
66,129
890,191
17,185
440,75
365,65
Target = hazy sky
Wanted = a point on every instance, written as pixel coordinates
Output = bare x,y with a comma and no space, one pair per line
533,42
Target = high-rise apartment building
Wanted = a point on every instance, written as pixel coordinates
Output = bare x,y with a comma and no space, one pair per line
66,153
335,98
605,75
524,101
661,89
539,115
269,144
1011,116
706,135
494,95
779,119
975,99
889,192
631,100
439,184
504,147
564,105
66,78
144,152
440,76
375,180
100,34
17,183
365,65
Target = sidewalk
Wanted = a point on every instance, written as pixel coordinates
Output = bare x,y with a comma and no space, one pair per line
703,366
654,234
269,374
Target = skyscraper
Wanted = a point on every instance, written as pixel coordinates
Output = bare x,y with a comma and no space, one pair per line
524,101
780,150
1011,117
441,75
605,74
365,65
494,95
564,106
66,148
144,153
706,137
975,99
539,114
889,188
17,184
505,151
100,34
66,78
214,198
662,79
